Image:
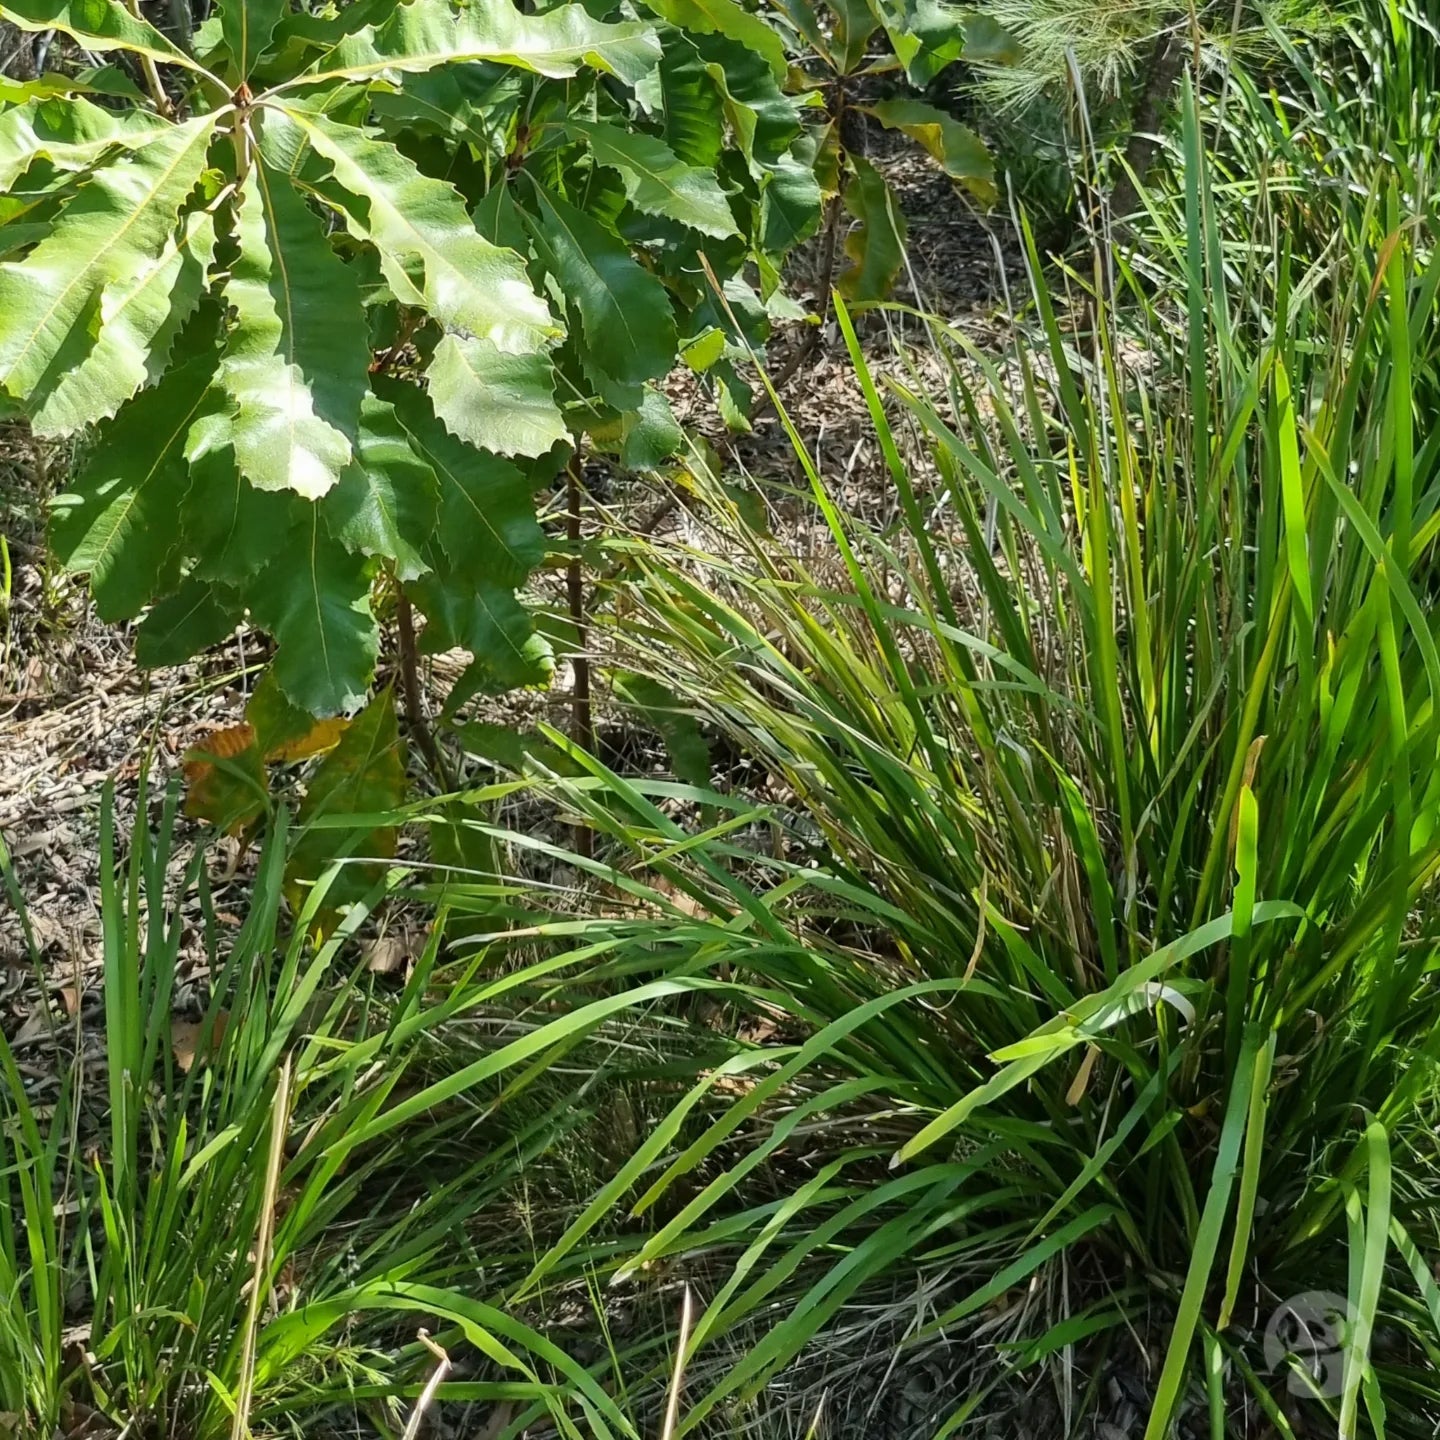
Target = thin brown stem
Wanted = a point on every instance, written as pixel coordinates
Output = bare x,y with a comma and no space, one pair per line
581,711
414,697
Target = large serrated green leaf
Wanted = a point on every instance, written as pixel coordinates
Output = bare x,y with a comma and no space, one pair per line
430,251
644,438
789,205
499,402
295,364
107,80
461,102
230,526
70,134
766,121
50,301
97,25
139,320
193,618
488,621
855,23
119,520
876,246
425,34
656,180
928,36
691,111
960,152
246,27
725,17
487,530
314,598
385,503
625,314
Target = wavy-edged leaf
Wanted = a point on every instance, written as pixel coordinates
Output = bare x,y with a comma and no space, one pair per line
988,42
119,520
499,402
644,438
225,778
488,621
314,598
625,314
98,25
186,622
295,363
461,102
70,134
683,95
386,501
487,529
246,27
230,526
656,180
283,732
876,245
139,320
50,301
725,17
425,34
766,120
855,23
430,250
105,80
961,153
497,218
789,205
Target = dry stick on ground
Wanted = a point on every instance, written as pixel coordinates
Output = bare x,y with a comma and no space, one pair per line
581,710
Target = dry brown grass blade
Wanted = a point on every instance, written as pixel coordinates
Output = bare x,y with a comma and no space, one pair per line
279,1124
672,1404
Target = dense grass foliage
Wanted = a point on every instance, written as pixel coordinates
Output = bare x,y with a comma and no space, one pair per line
1041,973
1102,989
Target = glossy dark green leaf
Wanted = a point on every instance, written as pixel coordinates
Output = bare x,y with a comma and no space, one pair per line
387,499
314,598
625,314
487,527
192,618
116,522
656,180
876,244
295,363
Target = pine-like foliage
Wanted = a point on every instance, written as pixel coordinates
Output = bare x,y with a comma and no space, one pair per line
346,286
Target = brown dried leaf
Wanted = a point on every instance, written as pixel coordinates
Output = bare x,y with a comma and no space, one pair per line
187,1039
386,954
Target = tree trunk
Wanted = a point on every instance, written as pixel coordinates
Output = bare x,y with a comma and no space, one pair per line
1167,59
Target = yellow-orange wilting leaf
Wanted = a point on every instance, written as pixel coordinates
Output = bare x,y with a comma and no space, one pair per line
225,779
323,735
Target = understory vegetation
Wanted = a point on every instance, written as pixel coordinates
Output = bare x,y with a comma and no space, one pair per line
962,957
